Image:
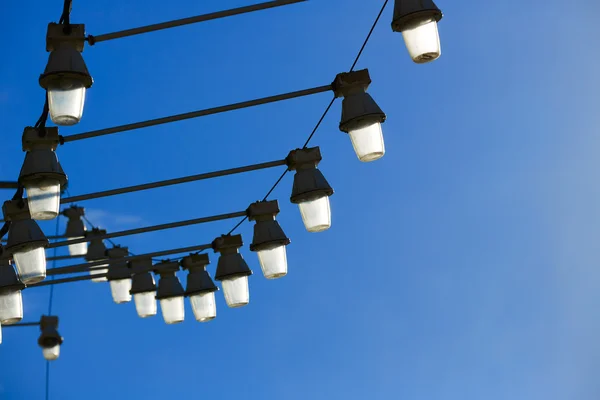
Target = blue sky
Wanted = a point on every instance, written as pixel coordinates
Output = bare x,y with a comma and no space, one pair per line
462,265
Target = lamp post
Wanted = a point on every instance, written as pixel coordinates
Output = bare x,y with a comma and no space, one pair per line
311,190
232,270
269,241
417,20
96,252
66,77
143,287
170,292
119,275
42,175
361,116
11,301
75,230
200,288
26,242
50,340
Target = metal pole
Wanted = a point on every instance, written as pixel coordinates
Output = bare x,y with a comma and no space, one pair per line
170,182
100,264
22,324
154,228
195,114
59,258
67,280
9,185
191,20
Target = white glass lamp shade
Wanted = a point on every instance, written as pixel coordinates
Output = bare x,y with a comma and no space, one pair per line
316,214
51,353
236,291
120,290
65,101
172,310
11,307
99,271
204,306
145,304
43,199
273,262
31,265
79,249
368,142
422,40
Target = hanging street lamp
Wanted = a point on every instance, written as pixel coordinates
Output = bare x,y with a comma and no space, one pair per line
42,175
311,190
361,116
119,275
26,242
232,270
50,340
66,76
200,288
96,252
143,287
75,230
170,292
269,241
11,301
417,20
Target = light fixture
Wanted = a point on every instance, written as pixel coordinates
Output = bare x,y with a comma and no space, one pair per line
75,229
269,241
361,116
11,302
26,242
232,270
50,340
311,190
143,287
42,175
200,288
66,76
96,251
417,20
170,292
119,275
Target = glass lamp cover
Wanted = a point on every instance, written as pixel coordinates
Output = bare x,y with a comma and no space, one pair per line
423,41
236,291
79,249
145,304
120,290
273,262
43,199
368,142
31,265
172,310
51,353
65,101
99,272
11,307
316,214
204,307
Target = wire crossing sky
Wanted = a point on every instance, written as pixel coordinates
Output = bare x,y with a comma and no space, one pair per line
463,264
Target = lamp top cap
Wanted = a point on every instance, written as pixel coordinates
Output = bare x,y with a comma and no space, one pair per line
263,208
347,83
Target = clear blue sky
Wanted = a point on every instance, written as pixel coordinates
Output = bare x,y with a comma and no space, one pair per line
463,265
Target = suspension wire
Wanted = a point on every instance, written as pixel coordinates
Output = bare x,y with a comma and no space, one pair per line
362,48
50,301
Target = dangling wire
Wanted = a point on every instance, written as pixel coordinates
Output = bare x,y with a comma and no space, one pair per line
41,122
65,18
